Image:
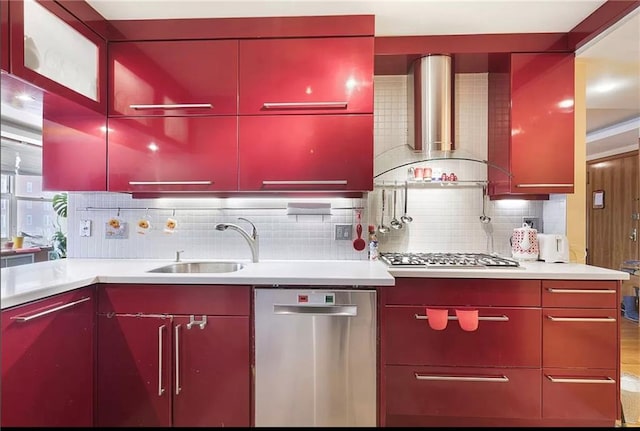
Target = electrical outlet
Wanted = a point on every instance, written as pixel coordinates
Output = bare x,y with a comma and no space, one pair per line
85,227
533,222
343,231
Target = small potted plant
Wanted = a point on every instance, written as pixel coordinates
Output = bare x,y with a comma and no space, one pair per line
59,238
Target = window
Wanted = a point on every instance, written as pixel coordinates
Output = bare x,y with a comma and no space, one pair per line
27,210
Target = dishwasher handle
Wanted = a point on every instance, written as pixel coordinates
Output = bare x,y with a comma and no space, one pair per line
315,309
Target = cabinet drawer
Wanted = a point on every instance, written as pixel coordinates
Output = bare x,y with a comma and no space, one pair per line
459,291
306,76
462,392
574,293
579,338
583,394
511,338
174,299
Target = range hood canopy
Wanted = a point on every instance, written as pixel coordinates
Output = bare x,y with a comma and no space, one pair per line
431,109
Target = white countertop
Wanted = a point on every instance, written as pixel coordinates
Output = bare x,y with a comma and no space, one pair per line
21,284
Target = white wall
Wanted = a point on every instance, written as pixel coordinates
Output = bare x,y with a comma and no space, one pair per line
445,219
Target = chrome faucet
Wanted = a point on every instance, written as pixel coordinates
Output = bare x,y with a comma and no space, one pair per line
178,253
252,239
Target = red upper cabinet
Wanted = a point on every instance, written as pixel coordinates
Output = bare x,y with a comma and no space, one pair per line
306,76
194,77
154,154
55,51
4,35
306,152
534,139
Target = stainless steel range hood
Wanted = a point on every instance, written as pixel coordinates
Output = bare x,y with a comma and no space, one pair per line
430,103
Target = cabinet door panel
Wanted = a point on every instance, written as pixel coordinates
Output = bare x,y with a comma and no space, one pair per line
134,371
542,123
463,392
193,72
300,75
512,340
173,154
306,152
47,362
580,338
4,35
579,393
211,372
55,51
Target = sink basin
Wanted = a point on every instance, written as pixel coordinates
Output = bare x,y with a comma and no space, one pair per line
199,267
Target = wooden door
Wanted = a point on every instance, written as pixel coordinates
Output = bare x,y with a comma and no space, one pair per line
610,228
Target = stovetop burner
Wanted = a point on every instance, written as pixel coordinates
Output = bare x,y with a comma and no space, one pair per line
447,260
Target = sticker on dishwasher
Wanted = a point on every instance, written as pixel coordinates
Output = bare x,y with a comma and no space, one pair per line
317,298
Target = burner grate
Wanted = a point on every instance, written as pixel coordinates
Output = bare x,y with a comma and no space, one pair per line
446,260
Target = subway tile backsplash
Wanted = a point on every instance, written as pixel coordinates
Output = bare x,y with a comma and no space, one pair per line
444,218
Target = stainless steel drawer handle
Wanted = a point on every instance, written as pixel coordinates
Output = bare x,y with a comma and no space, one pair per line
607,380
173,106
160,388
177,353
22,319
502,318
502,379
323,310
581,319
304,105
532,185
304,183
169,183
555,290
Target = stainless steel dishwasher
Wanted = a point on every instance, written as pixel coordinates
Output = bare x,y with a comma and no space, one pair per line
315,357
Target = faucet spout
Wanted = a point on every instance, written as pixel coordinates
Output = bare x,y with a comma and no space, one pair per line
251,238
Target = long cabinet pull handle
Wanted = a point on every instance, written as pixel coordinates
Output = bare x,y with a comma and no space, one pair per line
502,379
304,183
303,105
173,106
531,185
555,290
23,319
502,318
324,310
608,380
160,332
177,335
170,183
581,319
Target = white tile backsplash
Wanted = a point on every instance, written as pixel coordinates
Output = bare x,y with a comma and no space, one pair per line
444,218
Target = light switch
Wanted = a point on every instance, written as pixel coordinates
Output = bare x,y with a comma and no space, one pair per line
85,227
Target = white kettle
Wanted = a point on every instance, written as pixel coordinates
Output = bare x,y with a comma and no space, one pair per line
524,243
553,248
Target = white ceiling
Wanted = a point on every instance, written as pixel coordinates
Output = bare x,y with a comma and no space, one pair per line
613,60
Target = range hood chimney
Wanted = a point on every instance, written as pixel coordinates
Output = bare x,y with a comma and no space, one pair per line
430,100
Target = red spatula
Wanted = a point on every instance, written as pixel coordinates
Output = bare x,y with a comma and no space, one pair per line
359,243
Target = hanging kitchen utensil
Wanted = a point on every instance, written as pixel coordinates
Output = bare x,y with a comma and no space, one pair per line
395,223
383,228
484,218
359,243
406,218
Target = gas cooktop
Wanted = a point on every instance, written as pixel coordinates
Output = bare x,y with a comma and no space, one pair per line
447,260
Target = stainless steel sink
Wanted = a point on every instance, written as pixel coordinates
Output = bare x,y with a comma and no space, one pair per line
199,267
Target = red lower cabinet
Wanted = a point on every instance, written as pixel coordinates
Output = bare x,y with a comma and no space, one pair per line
182,370
48,362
